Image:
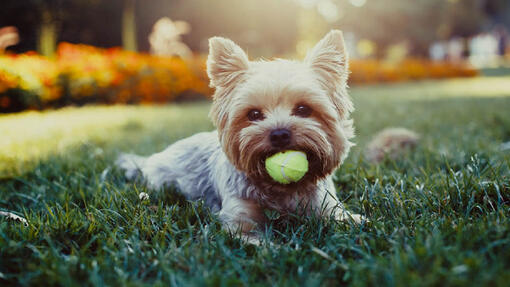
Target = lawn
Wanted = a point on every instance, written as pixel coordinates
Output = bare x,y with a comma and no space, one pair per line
439,216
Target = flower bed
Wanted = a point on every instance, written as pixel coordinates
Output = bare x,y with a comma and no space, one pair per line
375,71
82,74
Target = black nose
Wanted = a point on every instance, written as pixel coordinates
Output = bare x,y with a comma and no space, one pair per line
280,137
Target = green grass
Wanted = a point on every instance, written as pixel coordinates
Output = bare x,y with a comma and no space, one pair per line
439,216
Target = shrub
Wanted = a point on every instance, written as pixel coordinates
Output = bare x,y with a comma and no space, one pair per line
27,80
83,74
375,71
117,76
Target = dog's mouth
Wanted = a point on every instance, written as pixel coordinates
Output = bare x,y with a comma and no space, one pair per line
274,151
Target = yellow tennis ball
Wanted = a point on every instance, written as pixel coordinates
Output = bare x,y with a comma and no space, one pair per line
287,166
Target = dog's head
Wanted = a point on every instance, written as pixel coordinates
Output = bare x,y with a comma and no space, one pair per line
263,107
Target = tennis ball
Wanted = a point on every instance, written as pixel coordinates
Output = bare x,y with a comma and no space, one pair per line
287,166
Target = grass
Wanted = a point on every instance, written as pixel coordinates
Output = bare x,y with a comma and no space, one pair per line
439,216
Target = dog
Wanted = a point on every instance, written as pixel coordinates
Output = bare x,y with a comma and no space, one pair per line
260,108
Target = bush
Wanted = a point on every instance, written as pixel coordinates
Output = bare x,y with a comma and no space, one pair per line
27,81
117,76
375,71
82,74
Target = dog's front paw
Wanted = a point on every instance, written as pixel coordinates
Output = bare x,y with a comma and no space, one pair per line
353,217
358,218
251,239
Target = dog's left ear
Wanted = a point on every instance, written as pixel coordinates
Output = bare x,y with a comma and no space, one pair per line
226,63
330,61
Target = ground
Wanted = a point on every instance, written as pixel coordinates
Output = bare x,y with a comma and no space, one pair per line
439,216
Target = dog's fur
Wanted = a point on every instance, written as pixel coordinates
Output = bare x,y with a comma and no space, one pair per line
226,168
391,143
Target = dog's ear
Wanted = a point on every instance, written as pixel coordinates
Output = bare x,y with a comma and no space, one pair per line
226,63
329,57
329,60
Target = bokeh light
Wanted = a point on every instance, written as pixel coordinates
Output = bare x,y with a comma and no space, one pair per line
358,3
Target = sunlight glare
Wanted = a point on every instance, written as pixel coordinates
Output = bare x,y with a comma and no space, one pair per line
358,3
307,3
329,11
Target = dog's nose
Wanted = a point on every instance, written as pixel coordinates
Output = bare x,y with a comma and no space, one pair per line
280,137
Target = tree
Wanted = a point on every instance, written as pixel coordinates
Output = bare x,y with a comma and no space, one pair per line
129,39
48,29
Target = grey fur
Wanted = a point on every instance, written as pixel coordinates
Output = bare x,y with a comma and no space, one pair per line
231,177
199,168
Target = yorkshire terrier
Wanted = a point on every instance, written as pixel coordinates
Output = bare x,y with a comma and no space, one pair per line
260,108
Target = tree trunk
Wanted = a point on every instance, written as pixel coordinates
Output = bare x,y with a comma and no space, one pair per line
129,26
47,35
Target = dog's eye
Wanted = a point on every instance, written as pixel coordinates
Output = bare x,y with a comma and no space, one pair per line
255,115
303,111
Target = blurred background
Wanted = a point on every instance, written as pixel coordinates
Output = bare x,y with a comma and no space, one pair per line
55,53
84,80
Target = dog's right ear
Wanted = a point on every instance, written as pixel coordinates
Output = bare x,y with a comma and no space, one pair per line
226,63
330,62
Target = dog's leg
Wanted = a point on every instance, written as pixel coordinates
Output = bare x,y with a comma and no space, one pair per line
241,215
327,204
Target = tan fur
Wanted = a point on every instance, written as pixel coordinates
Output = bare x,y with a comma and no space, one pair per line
390,142
226,167
276,88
